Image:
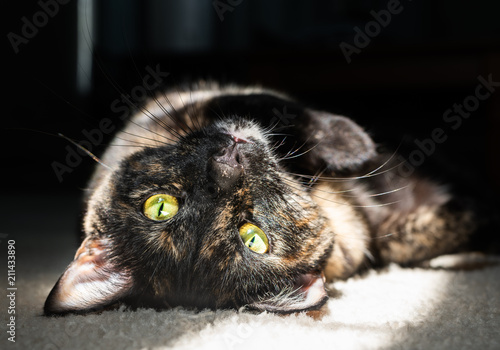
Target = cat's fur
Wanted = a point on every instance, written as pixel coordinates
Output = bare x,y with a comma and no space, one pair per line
227,156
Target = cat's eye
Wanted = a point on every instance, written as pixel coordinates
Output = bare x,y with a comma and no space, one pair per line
160,207
254,238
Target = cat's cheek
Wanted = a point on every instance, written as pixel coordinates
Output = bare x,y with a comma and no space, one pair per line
90,282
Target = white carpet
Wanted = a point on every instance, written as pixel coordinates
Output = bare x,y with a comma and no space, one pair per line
392,309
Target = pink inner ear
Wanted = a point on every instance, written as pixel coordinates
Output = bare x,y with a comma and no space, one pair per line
90,281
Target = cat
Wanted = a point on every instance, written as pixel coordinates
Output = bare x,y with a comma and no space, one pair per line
230,197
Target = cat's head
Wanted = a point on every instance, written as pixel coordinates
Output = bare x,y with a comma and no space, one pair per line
211,220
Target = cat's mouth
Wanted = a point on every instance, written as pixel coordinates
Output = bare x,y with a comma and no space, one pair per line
308,293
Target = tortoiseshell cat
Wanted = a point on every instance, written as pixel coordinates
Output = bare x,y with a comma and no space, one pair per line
202,205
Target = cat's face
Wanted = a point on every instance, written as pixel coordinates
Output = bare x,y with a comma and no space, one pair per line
209,221
211,218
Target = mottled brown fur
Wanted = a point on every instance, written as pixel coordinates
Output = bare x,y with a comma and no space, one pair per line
358,213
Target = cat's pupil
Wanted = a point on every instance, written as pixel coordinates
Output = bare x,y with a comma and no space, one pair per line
161,209
252,241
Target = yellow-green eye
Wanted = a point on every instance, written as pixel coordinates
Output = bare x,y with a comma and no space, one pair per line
160,207
254,238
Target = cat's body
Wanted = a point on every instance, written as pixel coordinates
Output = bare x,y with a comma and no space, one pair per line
227,158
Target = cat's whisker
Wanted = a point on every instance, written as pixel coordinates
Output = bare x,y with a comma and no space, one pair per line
379,205
90,154
292,151
272,127
294,186
153,132
296,155
269,128
388,192
174,117
376,174
293,155
289,152
364,239
383,236
371,173
367,196
171,130
145,138
145,111
278,134
219,116
275,146
196,120
118,89
134,142
138,146
307,184
299,188
153,97
348,179
187,109
343,192
387,161
315,178
178,122
66,101
281,127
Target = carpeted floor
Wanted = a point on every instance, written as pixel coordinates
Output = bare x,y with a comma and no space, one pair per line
396,308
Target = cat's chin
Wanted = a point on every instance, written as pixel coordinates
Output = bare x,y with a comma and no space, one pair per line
308,293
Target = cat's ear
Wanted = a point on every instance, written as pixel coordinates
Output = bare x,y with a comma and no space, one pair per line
336,143
91,281
308,294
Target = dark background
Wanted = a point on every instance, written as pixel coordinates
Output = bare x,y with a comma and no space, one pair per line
428,57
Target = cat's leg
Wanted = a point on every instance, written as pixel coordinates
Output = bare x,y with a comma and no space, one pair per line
430,231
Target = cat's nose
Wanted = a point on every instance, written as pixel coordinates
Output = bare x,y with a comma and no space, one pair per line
229,156
226,166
